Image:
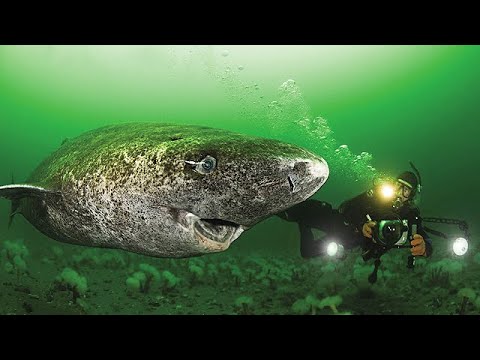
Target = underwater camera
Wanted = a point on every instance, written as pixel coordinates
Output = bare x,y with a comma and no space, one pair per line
390,232
393,232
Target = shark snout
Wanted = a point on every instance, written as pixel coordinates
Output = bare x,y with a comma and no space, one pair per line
308,175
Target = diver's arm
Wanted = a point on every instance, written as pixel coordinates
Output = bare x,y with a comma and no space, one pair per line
415,212
309,213
428,242
355,210
308,246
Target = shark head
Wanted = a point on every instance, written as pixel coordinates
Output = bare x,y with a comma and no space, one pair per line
220,183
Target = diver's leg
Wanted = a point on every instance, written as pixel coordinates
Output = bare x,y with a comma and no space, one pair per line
310,213
309,247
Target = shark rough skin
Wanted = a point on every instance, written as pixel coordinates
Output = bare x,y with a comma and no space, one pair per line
163,190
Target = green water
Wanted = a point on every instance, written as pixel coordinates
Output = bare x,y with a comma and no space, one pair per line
387,104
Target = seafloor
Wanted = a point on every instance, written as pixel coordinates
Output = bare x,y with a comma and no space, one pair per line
77,280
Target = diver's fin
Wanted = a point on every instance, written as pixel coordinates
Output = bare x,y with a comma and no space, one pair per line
19,191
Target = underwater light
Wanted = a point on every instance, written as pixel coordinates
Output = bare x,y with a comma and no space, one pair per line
335,250
387,191
460,246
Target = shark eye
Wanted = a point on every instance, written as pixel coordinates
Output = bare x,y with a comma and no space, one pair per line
207,165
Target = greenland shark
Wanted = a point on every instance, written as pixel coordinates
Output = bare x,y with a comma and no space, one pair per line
163,190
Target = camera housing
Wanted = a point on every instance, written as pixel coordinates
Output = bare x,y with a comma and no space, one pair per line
392,231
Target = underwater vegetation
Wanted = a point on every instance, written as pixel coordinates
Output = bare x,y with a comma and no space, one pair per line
77,280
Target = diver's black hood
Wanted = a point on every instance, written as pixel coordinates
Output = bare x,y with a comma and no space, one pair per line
410,178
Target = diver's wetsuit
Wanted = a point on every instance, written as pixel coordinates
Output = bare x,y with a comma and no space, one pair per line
345,224
314,214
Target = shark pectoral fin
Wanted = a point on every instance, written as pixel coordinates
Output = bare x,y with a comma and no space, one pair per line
13,211
19,191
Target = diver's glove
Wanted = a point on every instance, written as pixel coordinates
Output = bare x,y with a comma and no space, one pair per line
418,246
367,229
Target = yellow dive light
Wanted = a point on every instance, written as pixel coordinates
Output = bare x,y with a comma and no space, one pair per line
387,191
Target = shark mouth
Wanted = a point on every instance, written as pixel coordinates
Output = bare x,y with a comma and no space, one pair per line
213,233
221,231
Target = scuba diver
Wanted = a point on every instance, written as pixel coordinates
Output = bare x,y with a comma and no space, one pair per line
376,220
